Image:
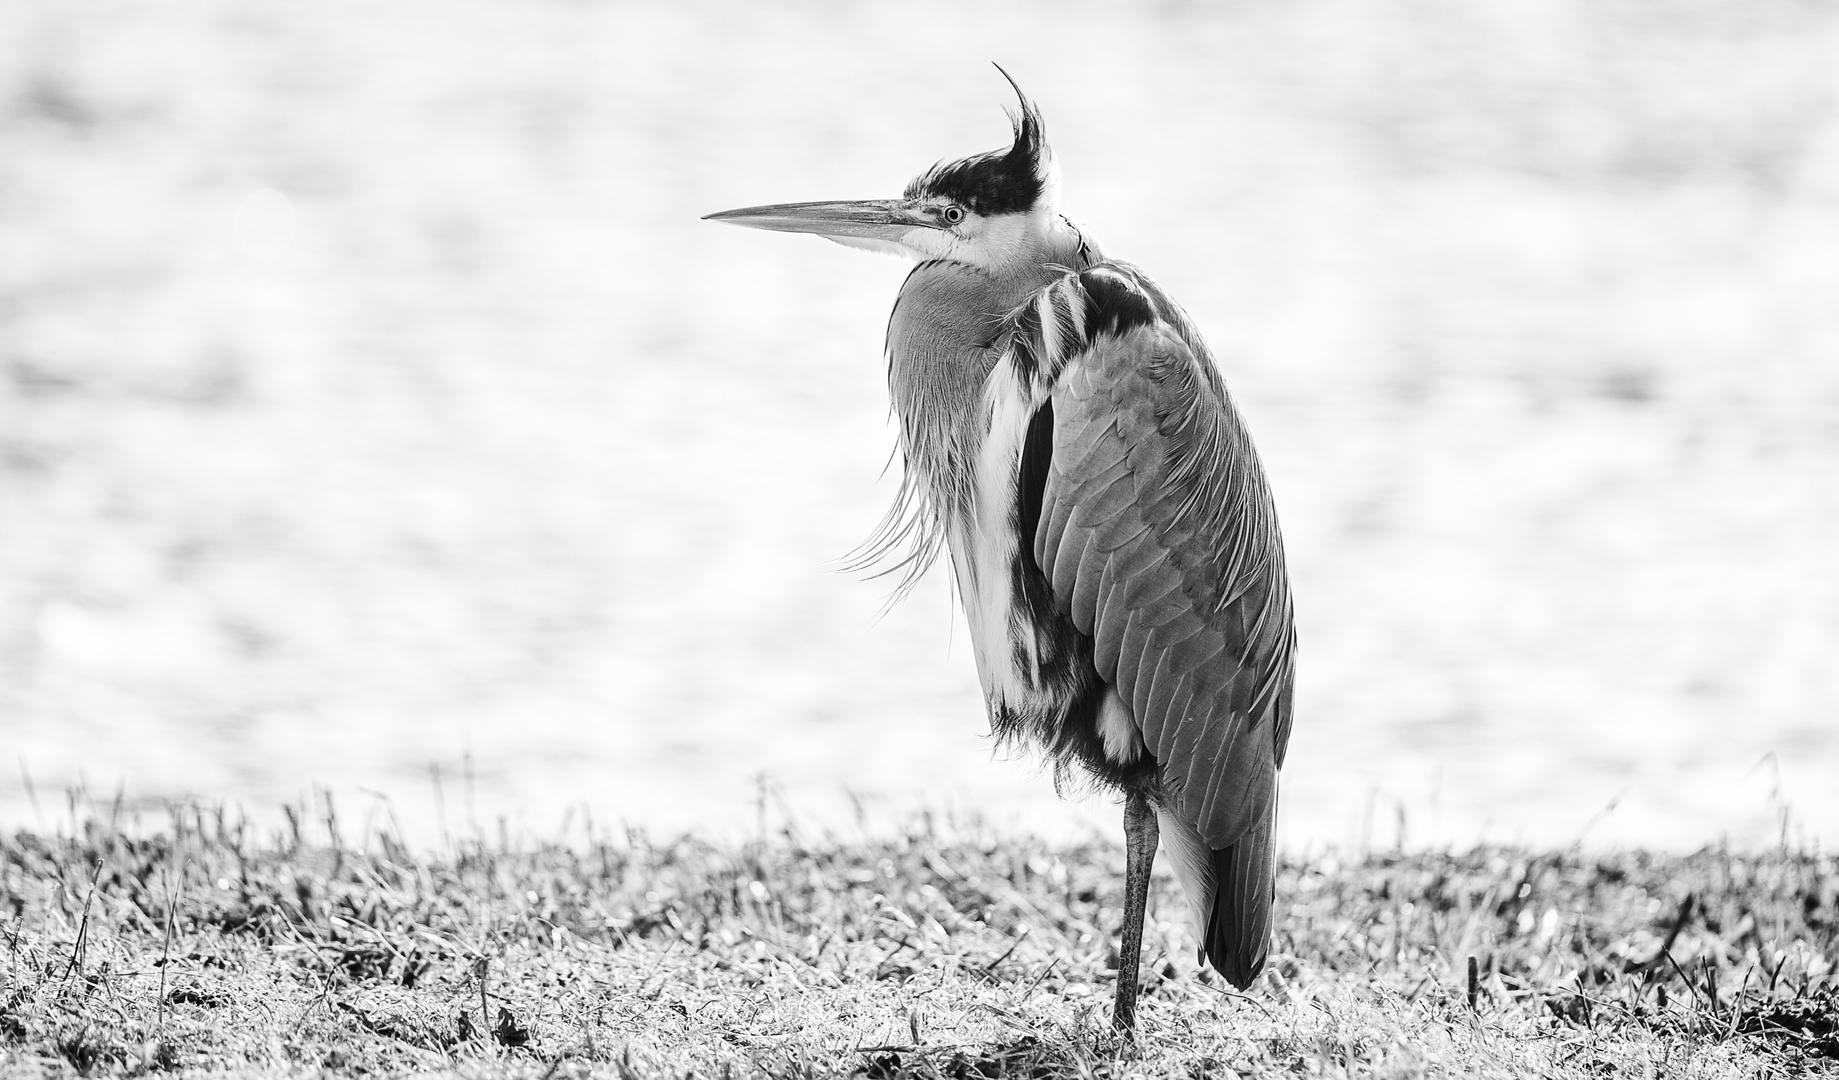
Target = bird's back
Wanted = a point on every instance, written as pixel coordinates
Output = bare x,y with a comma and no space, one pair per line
1124,579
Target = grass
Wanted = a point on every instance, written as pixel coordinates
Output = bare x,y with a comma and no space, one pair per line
948,950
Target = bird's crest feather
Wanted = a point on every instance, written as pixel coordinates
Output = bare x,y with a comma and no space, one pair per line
1007,181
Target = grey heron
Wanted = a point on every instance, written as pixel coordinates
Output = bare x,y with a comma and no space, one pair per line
1067,437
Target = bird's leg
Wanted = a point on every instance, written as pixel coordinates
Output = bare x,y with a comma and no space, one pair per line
1140,836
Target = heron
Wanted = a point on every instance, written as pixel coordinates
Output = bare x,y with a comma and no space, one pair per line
1067,437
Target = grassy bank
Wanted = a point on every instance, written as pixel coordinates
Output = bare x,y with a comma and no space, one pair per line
945,952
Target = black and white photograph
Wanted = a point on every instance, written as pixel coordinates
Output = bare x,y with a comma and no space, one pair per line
578,538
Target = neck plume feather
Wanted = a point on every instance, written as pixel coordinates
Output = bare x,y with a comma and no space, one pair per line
945,336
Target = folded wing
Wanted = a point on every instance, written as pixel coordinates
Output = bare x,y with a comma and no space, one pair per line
1155,530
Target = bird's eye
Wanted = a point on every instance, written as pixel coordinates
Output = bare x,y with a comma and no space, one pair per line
953,215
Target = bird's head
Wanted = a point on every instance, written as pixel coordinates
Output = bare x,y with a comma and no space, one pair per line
984,210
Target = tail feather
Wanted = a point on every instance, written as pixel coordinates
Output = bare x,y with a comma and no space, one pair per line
1239,928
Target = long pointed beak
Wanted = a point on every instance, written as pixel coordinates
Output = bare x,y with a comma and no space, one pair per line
870,219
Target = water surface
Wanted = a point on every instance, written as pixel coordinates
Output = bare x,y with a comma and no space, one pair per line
373,405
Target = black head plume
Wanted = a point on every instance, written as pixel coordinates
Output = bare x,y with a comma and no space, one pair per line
1002,181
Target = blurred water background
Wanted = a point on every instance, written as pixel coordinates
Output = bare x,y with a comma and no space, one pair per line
377,416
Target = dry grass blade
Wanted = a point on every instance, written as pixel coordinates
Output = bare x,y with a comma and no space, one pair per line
172,906
80,950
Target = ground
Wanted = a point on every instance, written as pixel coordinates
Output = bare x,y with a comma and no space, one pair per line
946,950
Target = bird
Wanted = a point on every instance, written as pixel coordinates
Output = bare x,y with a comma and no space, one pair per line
1067,438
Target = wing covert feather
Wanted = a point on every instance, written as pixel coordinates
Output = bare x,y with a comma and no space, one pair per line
1158,534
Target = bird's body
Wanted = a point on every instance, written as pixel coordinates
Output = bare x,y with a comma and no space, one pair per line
1068,439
